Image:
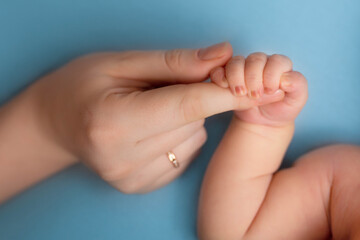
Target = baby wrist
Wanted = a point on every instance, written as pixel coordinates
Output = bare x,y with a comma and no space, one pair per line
270,132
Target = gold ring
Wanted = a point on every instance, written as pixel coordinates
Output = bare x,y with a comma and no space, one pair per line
172,158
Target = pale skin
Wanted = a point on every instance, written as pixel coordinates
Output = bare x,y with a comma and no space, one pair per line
243,195
108,111
119,113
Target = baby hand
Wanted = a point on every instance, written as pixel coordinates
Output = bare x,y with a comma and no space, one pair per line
260,75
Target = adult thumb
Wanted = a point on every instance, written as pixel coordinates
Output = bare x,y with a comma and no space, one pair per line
171,66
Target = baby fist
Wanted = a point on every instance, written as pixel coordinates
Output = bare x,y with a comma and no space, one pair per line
260,75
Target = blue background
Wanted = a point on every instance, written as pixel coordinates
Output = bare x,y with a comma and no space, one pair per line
321,37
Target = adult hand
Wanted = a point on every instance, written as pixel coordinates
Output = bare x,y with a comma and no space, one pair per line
120,113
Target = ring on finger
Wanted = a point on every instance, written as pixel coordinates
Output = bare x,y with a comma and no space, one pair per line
172,158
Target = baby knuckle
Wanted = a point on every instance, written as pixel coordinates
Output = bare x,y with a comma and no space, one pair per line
257,57
280,59
298,77
217,73
233,65
231,74
236,61
269,77
230,68
252,78
238,58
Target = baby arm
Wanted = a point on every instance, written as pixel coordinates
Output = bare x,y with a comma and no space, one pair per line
241,170
238,177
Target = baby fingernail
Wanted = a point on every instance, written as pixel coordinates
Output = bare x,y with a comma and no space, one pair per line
255,94
243,91
240,90
212,52
285,82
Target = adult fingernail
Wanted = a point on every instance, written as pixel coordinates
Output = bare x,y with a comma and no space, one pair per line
212,52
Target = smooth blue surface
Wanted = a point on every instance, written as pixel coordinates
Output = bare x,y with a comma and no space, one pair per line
322,38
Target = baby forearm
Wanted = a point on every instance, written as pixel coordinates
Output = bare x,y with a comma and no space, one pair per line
27,155
238,176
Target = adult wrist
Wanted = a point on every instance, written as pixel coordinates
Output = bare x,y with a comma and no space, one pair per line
25,148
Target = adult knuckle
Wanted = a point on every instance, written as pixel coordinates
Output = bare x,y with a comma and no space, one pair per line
191,105
115,173
96,133
199,139
197,124
203,136
125,56
98,61
121,60
97,129
90,125
202,122
129,187
172,59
